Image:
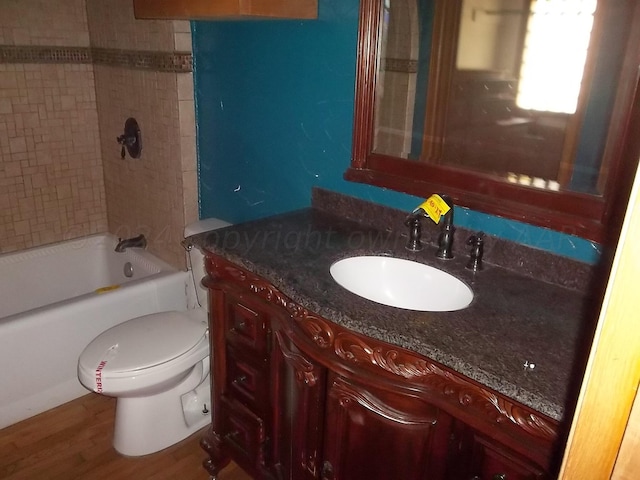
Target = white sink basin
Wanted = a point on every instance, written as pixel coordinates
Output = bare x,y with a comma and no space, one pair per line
402,283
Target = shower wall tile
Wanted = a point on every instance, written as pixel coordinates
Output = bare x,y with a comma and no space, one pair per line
44,22
144,195
70,75
113,25
156,194
182,41
51,179
188,155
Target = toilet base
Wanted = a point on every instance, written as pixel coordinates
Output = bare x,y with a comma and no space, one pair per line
145,425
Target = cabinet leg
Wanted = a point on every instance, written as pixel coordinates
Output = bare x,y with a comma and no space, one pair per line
216,462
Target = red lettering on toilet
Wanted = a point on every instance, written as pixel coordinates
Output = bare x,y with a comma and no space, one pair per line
101,365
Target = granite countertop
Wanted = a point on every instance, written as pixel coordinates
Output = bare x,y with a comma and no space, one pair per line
513,319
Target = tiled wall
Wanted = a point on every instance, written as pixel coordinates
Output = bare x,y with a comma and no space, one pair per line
44,22
156,194
51,183
71,73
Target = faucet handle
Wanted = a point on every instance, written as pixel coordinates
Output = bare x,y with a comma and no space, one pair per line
477,250
415,232
475,239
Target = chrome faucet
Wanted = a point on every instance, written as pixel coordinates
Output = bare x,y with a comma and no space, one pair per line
433,208
134,242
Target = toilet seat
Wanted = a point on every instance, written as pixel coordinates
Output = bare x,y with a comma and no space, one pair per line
143,342
145,351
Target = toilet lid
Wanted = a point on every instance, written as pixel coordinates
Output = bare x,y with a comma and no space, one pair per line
144,342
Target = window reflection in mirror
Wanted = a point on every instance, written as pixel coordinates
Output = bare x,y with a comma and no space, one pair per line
515,91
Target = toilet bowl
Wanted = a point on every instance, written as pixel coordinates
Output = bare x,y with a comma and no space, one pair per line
157,366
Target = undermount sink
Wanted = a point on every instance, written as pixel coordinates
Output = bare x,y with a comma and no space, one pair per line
402,283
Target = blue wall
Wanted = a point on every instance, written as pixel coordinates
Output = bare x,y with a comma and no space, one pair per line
274,105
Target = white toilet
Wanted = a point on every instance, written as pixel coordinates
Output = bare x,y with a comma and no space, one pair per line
157,366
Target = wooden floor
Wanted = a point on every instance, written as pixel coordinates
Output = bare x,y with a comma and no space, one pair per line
73,441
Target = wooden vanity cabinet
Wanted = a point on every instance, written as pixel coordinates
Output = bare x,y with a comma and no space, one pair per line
297,397
477,457
380,434
212,9
241,387
298,386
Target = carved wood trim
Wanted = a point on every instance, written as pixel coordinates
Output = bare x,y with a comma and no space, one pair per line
303,368
345,394
377,356
452,387
317,328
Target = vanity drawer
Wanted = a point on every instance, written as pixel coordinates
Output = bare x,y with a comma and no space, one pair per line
246,325
247,380
243,431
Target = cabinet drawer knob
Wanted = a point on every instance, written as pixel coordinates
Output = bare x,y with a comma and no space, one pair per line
500,476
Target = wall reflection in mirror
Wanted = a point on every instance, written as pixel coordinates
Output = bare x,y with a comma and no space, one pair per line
525,94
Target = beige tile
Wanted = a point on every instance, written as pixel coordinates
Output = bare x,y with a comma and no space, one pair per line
185,86
182,26
182,42
188,154
45,158
187,118
17,145
113,25
5,106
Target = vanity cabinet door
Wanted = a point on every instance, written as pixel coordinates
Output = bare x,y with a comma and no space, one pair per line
477,457
377,434
298,386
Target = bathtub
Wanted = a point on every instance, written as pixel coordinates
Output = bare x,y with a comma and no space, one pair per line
55,299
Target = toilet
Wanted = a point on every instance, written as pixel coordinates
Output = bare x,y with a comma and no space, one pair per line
157,366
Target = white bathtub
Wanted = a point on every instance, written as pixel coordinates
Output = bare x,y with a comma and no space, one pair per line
55,299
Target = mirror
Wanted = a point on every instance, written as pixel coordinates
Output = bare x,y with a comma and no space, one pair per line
513,107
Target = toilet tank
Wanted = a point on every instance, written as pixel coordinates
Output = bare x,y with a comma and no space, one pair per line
197,294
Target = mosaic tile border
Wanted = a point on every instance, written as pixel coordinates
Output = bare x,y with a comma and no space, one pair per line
37,54
174,62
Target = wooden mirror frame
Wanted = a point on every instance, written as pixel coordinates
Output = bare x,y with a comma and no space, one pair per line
572,213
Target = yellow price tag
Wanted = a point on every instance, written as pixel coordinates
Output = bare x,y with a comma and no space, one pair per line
435,207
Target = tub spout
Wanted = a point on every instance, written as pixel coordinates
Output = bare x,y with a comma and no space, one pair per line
138,242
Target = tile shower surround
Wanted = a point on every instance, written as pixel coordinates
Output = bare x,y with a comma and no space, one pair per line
51,185
55,193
